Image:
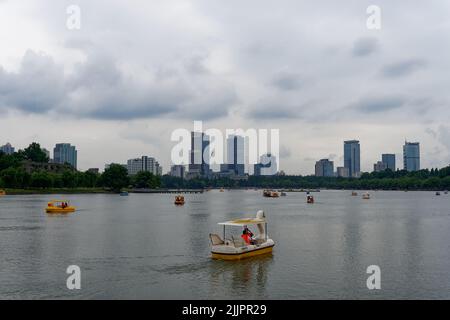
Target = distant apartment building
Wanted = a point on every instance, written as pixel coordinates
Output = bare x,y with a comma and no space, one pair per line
342,172
352,158
143,163
199,157
379,166
178,171
411,156
324,168
267,165
65,153
389,160
7,148
94,170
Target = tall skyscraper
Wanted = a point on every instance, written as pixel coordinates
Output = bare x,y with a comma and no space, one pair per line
65,153
389,160
352,158
324,168
411,156
235,155
7,148
199,162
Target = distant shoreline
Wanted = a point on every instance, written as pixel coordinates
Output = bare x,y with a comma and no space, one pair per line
57,191
184,190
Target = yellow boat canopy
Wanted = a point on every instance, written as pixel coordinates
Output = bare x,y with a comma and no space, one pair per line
243,222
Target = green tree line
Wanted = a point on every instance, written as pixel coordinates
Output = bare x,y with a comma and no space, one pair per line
433,179
13,174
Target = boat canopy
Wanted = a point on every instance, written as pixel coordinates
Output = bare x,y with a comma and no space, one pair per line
58,201
243,222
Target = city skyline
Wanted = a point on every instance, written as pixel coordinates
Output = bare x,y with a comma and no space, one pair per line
235,150
117,82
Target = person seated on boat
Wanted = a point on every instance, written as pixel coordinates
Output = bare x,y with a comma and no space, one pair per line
247,236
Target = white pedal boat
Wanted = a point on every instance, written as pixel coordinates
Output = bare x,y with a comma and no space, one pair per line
235,248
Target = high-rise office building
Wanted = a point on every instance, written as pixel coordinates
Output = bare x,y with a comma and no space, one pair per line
65,153
199,160
324,168
411,156
235,162
178,171
267,165
342,172
389,160
7,148
352,158
379,166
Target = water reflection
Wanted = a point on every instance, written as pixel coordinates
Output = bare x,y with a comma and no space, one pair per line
244,279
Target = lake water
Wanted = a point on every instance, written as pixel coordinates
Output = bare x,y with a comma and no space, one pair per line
144,247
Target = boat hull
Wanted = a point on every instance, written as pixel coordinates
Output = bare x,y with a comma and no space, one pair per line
60,210
229,252
240,256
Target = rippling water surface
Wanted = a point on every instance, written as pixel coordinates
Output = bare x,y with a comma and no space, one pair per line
144,247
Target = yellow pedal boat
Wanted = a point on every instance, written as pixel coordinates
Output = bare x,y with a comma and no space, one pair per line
2,193
59,206
179,200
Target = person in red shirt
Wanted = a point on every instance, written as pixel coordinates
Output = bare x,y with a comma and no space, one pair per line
247,236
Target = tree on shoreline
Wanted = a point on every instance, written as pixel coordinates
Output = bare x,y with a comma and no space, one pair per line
146,179
115,177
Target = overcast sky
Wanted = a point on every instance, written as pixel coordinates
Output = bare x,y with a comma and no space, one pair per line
137,70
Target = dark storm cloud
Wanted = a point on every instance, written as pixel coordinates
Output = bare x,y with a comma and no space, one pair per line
99,88
378,104
365,46
403,68
287,81
37,87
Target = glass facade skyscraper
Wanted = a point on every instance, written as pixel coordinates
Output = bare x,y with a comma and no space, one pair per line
235,155
324,168
65,153
411,156
199,162
352,158
7,148
389,160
